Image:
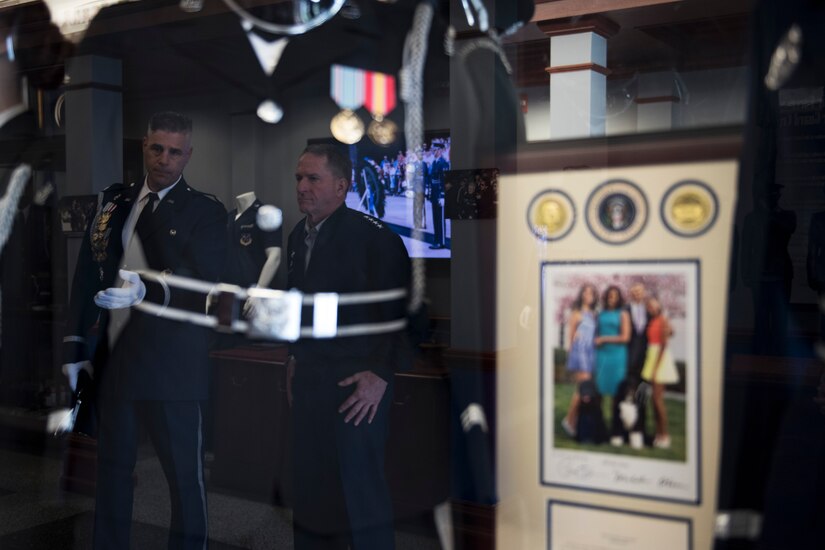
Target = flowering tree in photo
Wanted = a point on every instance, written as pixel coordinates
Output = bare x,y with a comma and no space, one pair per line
670,289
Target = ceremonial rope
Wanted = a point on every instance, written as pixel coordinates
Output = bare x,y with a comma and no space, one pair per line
412,94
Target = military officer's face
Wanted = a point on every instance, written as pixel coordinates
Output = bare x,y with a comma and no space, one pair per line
165,155
318,190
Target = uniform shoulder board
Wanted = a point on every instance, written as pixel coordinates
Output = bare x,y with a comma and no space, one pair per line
115,187
373,221
206,195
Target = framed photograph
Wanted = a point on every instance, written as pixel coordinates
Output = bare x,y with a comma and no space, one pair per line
471,194
620,377
573,525
75,212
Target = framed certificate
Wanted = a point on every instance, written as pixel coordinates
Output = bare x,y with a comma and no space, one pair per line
612,287
574,526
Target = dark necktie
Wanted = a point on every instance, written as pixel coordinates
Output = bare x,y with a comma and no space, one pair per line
309,240
146,215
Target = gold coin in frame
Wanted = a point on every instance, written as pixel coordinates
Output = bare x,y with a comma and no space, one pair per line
382,131
551,215
689,208
616,211
347,127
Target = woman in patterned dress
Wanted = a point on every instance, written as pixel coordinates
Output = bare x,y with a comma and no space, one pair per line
581,357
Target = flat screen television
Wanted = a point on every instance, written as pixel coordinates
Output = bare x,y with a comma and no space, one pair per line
380,187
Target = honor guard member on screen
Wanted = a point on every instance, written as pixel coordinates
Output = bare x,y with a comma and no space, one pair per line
340,388
439,166
147,370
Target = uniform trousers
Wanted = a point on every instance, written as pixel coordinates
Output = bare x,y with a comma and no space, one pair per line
438,222
341,495
175,428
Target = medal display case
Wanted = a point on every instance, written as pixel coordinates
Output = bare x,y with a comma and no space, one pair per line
570,294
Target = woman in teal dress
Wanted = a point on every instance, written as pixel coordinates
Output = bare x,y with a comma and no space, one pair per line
613,334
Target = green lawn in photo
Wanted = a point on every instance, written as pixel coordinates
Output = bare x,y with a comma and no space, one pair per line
676,427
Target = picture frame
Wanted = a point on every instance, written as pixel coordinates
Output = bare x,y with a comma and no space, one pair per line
471,194
640,468
75,213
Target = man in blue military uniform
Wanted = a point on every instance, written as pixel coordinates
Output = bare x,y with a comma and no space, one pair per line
439,166
340,388
147,370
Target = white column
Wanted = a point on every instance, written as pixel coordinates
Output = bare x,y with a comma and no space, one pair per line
578,76
577,86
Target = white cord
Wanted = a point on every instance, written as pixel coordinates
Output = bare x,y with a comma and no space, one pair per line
9,202
490,42
8,206
412,94
293,30
268,322
194,285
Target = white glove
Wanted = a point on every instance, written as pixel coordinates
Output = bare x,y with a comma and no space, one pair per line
132,292
72,370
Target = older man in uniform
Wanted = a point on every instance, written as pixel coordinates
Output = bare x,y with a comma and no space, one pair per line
147,370
340,388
